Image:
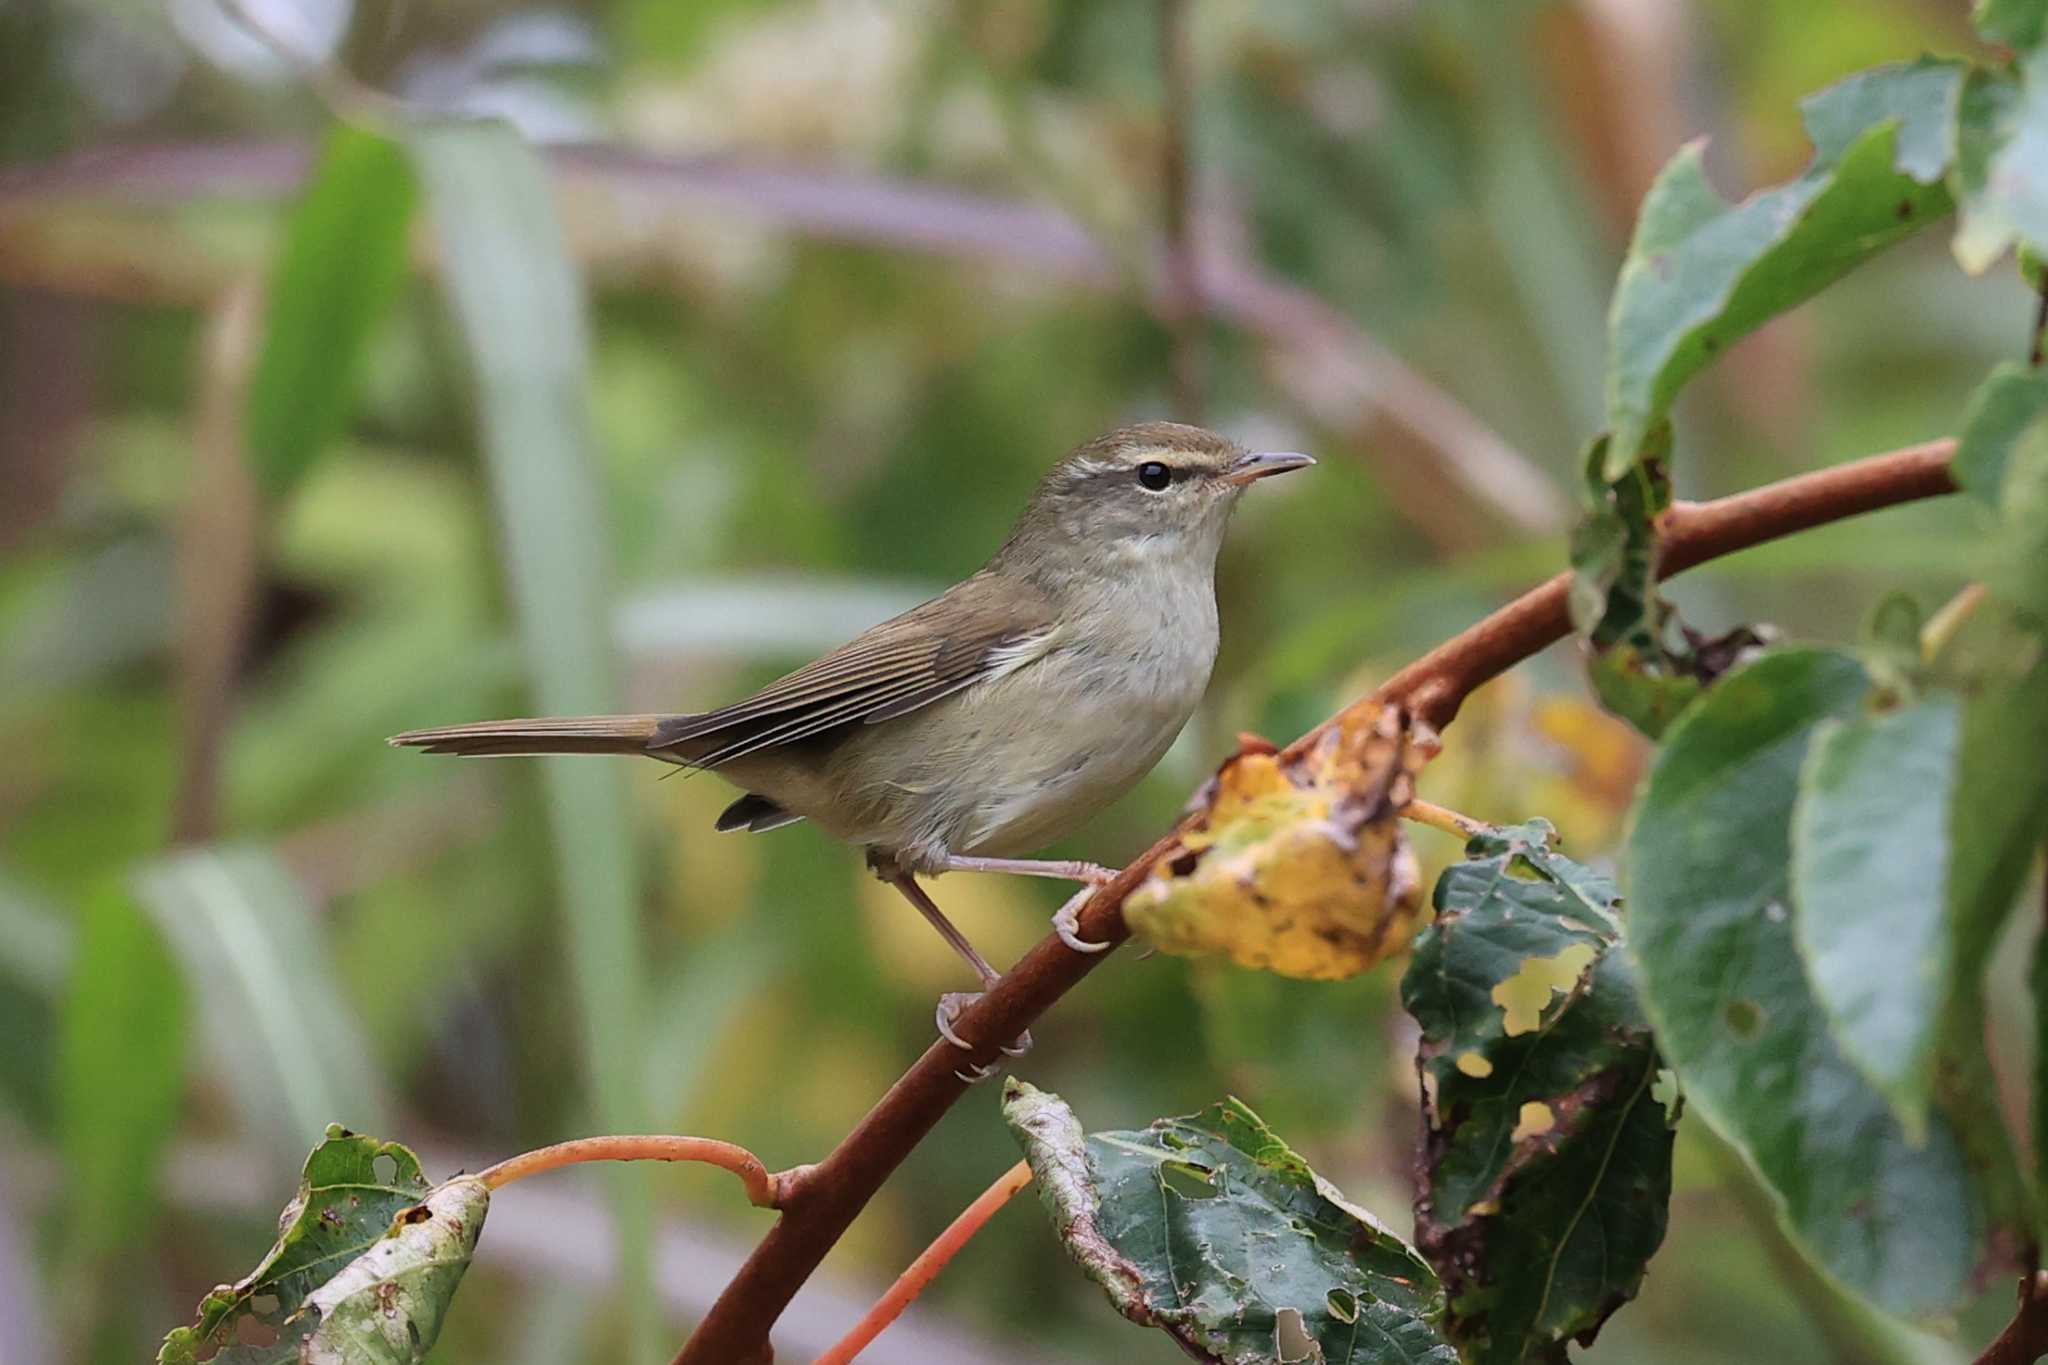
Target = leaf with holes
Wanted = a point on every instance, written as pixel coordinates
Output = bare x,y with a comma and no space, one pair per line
1210,1228
1711,934
1297,866
367,1259
1701,273
1638,671
1547,1158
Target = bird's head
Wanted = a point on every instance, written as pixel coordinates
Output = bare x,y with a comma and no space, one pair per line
1153,489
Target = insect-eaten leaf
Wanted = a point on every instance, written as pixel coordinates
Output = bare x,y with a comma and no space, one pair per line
1213,1230
1546,1149
1298,866
1644,663
1701,273
368,1256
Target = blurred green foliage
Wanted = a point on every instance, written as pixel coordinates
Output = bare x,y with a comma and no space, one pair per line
830,421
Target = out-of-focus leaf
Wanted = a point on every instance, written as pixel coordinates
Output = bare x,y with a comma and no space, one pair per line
1702,272
1298,866
1710,929
121,1072
518,302
367,1258
2000,412
2017,573
1547,1157
37,946
287,1045
342,260
2016,23
1210,1228
2001,176
1870,861
1638,672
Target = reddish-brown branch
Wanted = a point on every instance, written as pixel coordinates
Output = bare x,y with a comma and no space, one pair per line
818,1209
2025,1338
764,1190
927,1266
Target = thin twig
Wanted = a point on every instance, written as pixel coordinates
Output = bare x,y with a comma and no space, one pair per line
1184,312
1941,627
927,1266
764,1190
1443,818
2025,1338
818,1210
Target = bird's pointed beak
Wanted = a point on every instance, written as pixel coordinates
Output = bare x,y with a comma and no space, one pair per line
1260,464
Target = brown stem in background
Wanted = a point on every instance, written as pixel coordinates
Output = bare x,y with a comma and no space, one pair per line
2025,1338
1183,311
818,1207
1414,432
217,554
927,1266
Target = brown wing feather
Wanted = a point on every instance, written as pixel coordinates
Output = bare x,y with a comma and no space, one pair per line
913,660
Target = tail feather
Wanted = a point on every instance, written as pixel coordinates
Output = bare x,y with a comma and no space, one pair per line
547,735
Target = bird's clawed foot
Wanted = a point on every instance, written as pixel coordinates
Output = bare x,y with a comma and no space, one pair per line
950,1005
1066,922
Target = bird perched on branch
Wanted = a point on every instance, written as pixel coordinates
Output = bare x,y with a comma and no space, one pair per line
994,718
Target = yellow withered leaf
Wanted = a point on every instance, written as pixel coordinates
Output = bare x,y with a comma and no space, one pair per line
1298,865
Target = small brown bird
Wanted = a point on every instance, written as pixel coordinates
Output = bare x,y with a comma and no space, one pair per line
996,717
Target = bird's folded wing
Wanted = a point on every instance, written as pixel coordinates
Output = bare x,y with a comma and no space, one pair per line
928,653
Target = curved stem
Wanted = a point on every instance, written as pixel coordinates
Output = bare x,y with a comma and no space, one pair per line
764,1190
832,1194
927,1266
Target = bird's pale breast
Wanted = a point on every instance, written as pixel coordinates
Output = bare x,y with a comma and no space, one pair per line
1013,763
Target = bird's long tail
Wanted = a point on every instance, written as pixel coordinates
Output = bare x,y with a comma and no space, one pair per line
547,735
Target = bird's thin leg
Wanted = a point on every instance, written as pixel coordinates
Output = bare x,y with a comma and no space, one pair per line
1094,874
951,1003
1067,921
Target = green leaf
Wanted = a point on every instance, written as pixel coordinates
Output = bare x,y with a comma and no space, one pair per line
2017,571
1701,272
344,255
1547,1157
2015,23
2000,412
516,298
367,1258
121,1073
2001,174
1870,861
1709,859
1211,1229
288,1045
1615,604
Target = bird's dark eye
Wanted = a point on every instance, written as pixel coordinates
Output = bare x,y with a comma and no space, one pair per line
1154,475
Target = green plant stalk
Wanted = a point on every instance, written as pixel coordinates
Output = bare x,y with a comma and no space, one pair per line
519,305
